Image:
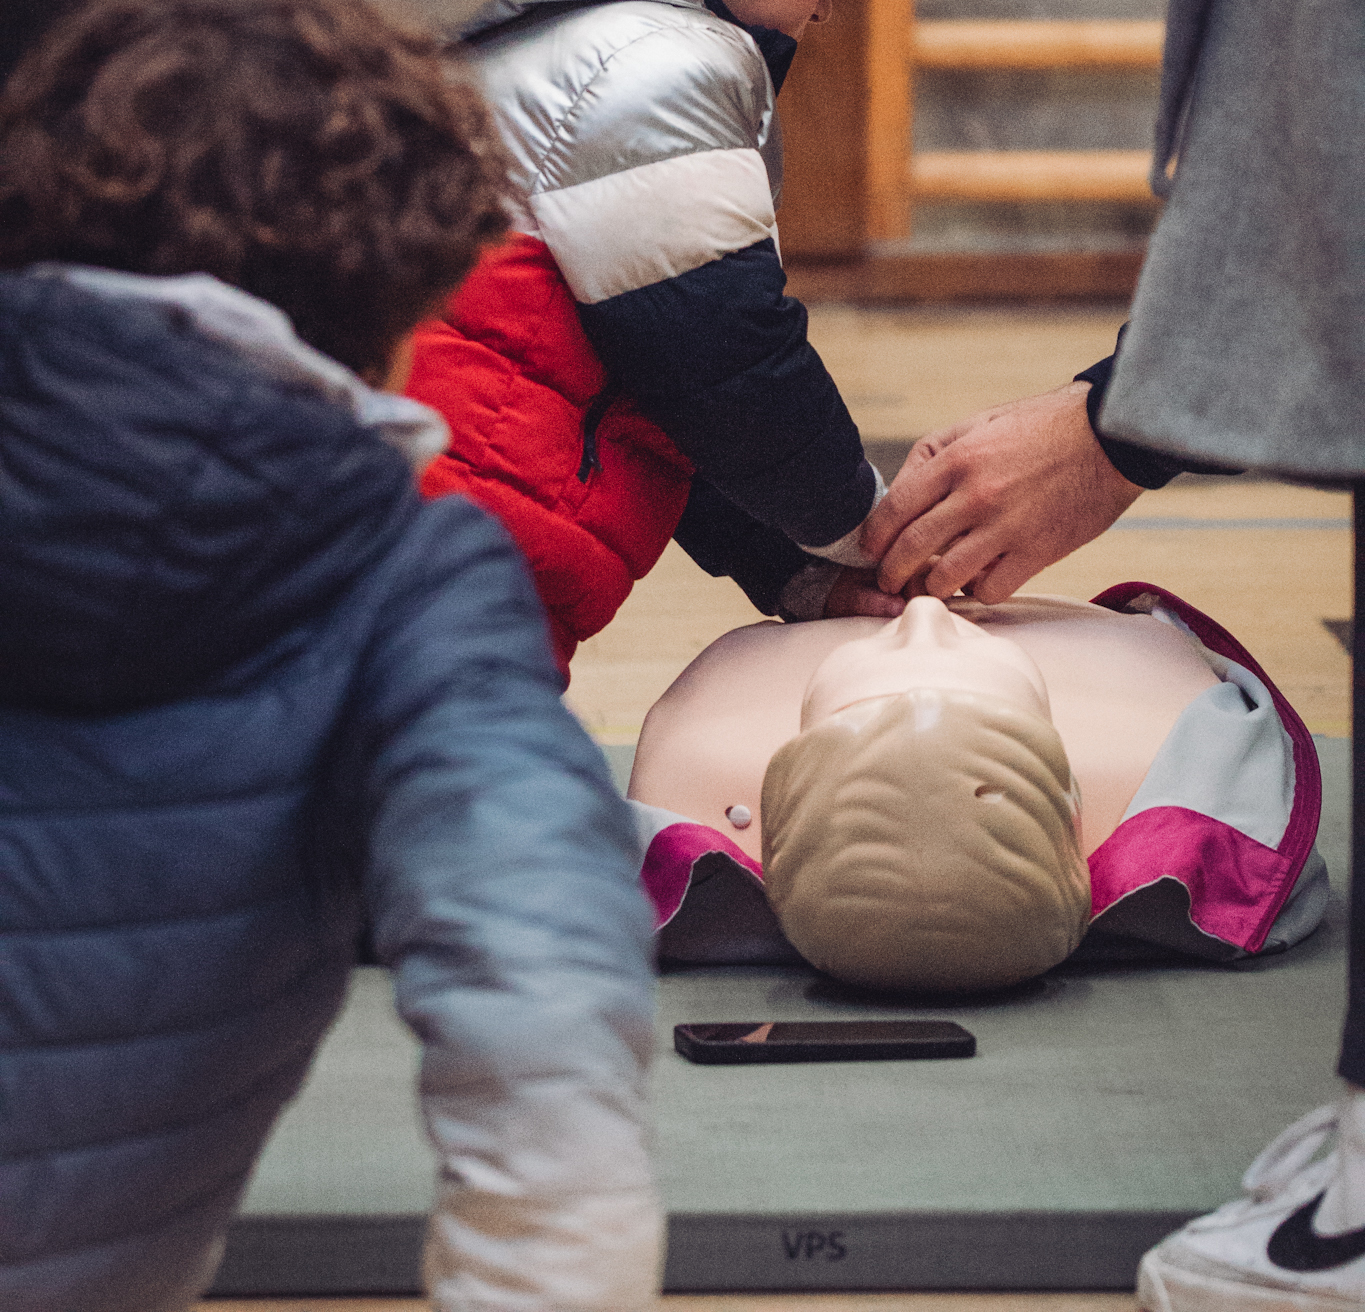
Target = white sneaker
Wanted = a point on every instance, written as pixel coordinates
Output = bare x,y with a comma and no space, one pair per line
1263,1253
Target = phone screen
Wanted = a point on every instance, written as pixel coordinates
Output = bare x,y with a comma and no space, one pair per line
828,1031
737,1043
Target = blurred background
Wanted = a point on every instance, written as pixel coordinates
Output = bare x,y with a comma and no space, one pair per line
971,148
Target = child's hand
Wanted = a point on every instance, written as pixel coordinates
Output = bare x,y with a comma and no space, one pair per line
855,592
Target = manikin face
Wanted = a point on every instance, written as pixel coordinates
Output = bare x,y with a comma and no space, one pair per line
925,647
789,16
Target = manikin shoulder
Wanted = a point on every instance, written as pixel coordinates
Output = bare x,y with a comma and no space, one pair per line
760,669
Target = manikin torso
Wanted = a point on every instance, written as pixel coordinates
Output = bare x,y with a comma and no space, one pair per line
1115,685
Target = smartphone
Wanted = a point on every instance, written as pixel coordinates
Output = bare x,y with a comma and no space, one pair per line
736,1043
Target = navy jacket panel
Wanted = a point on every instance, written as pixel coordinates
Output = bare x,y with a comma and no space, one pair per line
718,358
724,540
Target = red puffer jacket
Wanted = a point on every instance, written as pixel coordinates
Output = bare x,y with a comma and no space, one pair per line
590,488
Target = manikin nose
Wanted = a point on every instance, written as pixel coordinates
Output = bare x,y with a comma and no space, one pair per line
926,622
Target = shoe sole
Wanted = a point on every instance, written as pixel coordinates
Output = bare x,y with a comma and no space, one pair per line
1162,1287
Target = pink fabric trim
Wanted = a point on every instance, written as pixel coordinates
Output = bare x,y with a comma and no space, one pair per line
673,851
1227,873
1214,890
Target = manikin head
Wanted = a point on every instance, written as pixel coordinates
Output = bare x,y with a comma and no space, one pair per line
921,831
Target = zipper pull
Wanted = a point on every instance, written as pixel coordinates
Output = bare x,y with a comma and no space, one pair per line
601,403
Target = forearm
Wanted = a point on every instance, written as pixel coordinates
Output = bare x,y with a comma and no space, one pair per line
534,1003
523,964
595,1253
726,541
777,576
545,1198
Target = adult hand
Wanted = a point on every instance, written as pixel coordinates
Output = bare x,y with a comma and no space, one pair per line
997,498
855,592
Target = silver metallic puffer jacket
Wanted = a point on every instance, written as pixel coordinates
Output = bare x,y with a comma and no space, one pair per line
651,110
647,157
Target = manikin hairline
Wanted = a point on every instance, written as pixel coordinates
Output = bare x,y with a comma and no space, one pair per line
928,706
928,703
1040,709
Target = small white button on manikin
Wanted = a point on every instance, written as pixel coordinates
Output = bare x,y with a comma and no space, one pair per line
739,815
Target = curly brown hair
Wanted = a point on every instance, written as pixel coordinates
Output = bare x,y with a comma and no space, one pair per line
308,151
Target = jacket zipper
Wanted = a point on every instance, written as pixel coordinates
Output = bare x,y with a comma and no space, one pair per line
601,403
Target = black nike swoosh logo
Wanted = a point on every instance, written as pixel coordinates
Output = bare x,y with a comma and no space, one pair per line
1295,1245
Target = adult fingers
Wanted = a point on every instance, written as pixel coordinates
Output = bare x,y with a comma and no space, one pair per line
921,484
1001,579
917,586
965,565
931,534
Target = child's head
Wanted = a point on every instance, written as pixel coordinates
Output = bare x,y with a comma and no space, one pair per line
307,151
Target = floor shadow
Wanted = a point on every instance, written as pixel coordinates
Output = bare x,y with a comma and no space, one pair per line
824,989
1341,631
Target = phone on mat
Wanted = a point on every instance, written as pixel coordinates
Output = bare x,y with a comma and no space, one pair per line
747,1042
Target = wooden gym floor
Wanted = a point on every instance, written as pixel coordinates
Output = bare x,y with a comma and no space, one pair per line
1269,561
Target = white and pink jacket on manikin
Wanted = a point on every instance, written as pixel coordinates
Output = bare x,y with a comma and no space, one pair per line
1213,858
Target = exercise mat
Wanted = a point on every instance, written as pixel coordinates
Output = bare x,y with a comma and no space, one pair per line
1106,1105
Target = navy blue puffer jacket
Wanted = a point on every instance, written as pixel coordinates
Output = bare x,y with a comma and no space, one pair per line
250,692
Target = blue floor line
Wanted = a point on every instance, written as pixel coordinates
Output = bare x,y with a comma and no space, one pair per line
1157,523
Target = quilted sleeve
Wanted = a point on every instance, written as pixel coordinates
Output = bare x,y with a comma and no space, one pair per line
718,358
723,540
656,203
503,883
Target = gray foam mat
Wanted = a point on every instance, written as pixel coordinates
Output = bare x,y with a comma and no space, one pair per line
1105,1106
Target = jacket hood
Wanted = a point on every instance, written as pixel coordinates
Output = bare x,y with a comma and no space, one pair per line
170,508
468,19
461,19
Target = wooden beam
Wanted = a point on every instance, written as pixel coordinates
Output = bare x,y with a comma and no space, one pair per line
1026,176
846,109
846,121
888,118
959,44
1088,275
823,210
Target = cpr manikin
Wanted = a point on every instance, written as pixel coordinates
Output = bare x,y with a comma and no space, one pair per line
923,794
